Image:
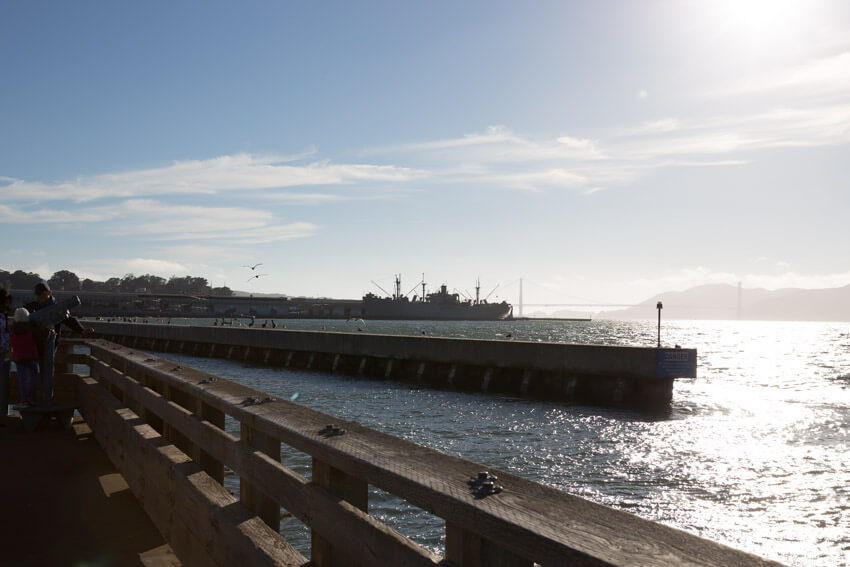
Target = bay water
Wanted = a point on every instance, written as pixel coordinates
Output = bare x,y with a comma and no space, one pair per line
753,453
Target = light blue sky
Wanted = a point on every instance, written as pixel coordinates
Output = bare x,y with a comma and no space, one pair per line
603,151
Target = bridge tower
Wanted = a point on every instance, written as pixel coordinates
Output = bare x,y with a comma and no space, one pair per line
520,297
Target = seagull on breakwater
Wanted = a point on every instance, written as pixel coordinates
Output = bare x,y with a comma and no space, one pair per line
255,277
254,267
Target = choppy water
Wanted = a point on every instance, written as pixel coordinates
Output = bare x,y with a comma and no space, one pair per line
755,452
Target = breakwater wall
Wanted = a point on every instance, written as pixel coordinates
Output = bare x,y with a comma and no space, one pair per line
606,375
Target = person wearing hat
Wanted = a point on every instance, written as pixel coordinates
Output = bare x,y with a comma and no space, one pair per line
5,355
25,355
47,339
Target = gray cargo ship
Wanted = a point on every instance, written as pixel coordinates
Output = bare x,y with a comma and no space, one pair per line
438,306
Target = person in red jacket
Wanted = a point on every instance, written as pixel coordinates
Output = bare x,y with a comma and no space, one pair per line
25,356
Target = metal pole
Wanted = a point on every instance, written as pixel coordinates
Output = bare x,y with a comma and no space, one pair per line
659,307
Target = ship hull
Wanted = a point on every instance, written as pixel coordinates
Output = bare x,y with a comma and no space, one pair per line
392,309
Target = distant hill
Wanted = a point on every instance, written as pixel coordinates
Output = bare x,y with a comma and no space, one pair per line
720,301
570,314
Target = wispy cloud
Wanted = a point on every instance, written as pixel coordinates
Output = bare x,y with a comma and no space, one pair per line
17,215
499,157
497,144
816,78
736,135
237,225
213,176
536,180
101,269
801,106
151,266
492,135
154,220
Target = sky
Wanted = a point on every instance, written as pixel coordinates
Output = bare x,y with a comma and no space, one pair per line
603,152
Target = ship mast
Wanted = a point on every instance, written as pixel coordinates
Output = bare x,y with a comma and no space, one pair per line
423,286
477,290
397,286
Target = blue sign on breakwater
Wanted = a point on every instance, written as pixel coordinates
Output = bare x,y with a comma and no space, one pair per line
676,363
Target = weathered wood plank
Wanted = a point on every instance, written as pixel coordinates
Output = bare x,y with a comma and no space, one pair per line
213,466
346,487
252,496
465,549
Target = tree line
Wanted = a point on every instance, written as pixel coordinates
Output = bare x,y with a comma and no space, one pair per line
66,280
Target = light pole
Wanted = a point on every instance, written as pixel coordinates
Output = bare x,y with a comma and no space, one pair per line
659,307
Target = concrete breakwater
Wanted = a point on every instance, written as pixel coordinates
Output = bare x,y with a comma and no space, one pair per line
638,377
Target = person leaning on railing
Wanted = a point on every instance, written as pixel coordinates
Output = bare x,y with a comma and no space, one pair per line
48,339
25,355
5,355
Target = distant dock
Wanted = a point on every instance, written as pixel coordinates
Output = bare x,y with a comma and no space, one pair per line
581,319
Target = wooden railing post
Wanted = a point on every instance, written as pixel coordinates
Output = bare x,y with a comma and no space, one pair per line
267,508
353,490
145,379
212,466
62,364
172,433
466,549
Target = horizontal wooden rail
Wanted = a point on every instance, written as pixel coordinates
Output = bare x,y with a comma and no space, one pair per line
526,523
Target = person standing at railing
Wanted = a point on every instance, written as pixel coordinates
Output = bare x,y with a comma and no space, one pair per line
47,339
5,355
25,355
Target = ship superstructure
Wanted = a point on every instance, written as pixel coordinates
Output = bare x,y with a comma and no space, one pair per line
440,305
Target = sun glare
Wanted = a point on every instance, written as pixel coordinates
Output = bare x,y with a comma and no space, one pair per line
764,22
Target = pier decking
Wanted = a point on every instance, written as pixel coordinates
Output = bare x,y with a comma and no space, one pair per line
66,504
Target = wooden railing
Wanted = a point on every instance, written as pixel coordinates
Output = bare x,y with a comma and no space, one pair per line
162,424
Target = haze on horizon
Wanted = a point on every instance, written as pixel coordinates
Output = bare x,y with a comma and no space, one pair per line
603,152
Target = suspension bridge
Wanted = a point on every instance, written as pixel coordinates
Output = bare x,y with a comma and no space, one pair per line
574,302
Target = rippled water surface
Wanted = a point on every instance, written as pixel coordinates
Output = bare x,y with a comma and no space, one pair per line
754,453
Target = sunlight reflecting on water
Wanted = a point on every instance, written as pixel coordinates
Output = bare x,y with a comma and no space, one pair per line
754,452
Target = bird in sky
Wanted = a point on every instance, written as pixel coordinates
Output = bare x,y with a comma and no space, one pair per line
255,277
254,267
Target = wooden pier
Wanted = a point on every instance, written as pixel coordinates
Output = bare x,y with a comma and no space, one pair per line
162,426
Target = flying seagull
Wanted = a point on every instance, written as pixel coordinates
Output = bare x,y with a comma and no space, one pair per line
255,277
254,267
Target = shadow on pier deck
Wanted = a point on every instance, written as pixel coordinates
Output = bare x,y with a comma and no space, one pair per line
65,504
